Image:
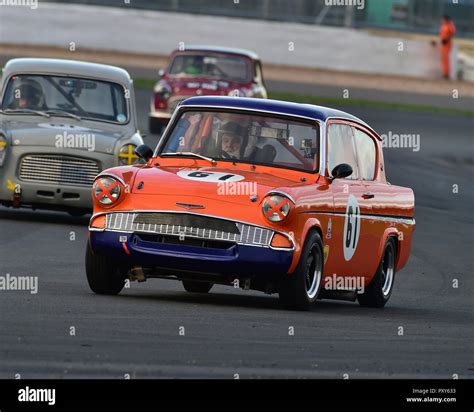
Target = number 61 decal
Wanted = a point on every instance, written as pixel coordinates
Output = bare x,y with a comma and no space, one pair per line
351,227
212,177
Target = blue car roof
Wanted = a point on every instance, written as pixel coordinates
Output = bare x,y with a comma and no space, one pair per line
266,105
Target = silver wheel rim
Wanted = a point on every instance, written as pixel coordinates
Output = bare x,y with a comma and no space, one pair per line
313,272
388,263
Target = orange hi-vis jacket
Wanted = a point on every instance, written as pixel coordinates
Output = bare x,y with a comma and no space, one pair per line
446,34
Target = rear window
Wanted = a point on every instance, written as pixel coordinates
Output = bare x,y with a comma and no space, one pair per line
214,66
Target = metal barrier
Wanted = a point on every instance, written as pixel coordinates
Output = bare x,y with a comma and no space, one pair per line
411,15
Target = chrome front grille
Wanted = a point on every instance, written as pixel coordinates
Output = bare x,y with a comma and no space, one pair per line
58,169
178,225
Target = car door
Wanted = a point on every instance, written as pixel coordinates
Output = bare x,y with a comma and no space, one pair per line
377,191
348,244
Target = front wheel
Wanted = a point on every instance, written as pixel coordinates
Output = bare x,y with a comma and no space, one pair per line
378,292
197,287
104,276
301,288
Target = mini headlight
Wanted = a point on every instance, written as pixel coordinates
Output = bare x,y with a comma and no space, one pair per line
106,190
127,155
276,207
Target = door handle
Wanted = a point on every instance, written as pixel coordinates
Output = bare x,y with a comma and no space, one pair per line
368,195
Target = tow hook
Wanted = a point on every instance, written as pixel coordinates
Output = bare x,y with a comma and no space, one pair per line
17,196
137,274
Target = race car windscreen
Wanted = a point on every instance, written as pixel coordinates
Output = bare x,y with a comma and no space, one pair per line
247,138
88,99
216,66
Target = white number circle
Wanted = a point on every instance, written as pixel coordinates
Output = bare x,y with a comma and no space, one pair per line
212,177
351,227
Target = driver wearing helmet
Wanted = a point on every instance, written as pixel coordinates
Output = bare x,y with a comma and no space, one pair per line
28,95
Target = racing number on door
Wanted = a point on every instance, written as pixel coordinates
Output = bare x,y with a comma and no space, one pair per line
351,227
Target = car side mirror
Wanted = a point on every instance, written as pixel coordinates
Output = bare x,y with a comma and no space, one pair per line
341,171
161,73
144,152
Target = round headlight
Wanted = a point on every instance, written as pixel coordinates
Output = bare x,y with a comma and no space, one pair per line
106,190
127,155
276,207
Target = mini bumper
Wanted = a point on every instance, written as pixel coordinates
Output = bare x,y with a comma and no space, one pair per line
237,260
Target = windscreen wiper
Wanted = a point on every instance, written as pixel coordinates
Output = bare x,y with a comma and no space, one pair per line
63,113
209,159
38,112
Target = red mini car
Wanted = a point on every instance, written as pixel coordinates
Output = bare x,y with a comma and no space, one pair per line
260,194
204,70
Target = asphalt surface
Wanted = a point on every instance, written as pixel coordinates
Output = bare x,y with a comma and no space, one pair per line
229,331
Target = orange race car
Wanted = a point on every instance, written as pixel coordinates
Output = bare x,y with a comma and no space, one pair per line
259,194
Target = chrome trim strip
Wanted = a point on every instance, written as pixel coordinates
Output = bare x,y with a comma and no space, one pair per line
280,192
111,175
383,218
284,249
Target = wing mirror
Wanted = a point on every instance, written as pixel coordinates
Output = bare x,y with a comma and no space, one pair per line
341,171
144,152
161,73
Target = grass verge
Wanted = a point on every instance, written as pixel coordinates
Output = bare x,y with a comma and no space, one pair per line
339,101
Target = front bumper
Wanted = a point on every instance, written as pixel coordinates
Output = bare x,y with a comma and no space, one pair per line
235,261
48,196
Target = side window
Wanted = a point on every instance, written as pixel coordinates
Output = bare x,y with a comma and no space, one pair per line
366,151
341,148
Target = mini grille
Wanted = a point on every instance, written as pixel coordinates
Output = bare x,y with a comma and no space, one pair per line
58,169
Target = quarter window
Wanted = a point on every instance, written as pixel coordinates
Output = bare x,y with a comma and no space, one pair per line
341,148
366,154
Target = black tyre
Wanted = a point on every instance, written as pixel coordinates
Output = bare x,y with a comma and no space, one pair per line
155,126
301,288
378,292
197,287
104,276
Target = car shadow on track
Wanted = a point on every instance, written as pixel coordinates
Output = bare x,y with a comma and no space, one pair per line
41,216
245,301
